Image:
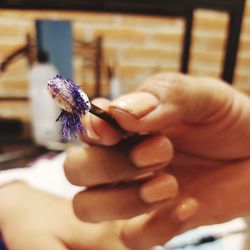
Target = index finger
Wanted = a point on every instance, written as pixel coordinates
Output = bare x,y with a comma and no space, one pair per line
98,130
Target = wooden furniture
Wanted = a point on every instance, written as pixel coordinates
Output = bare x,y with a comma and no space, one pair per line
179,8
90,51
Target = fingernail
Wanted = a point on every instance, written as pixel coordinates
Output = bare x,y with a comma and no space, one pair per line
89,128
136,104
156,150
92,135
158,189
186,209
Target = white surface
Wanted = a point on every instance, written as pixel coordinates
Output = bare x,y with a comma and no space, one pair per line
45,174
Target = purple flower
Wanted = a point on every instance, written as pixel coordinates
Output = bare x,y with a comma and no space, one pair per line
71,124
73,101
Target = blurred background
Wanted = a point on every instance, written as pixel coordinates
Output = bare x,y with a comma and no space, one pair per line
111,53
109,48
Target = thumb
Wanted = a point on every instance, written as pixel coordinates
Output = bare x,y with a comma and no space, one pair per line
167,99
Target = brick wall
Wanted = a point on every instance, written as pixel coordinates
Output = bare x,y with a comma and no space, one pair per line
139,45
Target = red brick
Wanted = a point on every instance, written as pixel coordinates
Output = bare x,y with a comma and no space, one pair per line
152,56
209,41
155,22
243,79
121,34
168,38
207,58
15,109
244,43
210,20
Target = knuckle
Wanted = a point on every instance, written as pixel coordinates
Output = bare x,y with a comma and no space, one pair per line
82,212
83,209
167,87
69,171
71,167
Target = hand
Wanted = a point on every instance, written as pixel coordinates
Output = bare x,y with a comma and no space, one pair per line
204,118
207,124
30,219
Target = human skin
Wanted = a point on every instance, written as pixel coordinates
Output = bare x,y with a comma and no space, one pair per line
31,219
195,155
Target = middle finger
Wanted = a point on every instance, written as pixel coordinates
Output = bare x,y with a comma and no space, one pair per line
95,165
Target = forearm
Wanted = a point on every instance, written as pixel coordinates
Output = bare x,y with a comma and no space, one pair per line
10,195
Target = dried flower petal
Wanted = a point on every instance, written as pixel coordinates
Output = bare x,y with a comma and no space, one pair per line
74,103
70,125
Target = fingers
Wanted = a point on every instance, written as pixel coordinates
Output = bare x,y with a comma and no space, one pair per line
167,99
152,151
97,165
213,201
157,228
124,201
99,131
163,101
